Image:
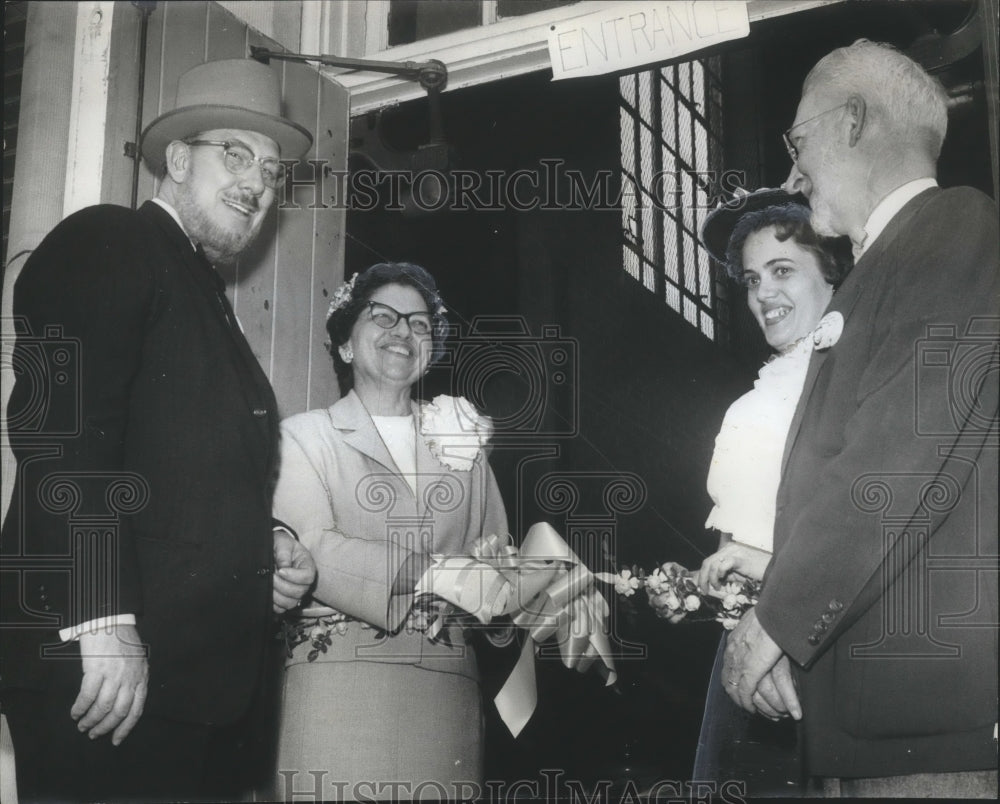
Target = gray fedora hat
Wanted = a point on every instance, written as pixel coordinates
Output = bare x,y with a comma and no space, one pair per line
232,93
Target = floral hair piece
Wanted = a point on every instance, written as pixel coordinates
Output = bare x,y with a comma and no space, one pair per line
341,296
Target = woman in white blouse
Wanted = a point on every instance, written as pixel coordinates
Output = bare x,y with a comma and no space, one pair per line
766,243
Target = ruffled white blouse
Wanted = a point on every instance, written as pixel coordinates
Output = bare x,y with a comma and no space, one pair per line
746,465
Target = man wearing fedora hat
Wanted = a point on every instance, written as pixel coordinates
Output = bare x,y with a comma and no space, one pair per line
141,646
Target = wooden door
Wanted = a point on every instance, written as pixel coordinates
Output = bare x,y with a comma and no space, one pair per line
280,289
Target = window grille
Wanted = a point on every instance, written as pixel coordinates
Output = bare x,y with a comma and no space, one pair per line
671,153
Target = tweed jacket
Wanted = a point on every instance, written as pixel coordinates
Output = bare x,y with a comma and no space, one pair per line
883,587
344,495
146,436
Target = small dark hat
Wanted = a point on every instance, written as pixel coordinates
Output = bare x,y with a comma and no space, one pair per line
721,221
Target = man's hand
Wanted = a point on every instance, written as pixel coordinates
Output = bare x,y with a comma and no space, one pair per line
115,680
294,572
751,656
776,696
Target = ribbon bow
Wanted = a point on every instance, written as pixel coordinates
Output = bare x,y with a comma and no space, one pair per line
556,597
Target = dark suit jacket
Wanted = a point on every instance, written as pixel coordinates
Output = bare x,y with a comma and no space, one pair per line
883,588
146,434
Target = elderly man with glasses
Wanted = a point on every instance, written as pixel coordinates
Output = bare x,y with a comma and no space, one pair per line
881,597
133,653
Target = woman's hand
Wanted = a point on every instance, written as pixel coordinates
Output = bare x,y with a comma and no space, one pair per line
732,558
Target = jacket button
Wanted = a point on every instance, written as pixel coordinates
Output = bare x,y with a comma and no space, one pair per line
828,617
836,605
264,571
47,607
813,639
41,588
260,413
43,598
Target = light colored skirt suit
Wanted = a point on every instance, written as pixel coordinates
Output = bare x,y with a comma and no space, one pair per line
383,713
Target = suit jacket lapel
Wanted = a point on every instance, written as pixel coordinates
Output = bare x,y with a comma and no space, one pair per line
351,415
254,384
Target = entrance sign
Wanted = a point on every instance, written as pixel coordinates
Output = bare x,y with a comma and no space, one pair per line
633,34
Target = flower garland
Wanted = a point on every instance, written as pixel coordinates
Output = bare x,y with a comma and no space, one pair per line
454,431
319,631
673,594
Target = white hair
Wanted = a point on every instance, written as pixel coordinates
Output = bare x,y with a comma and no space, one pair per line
911,103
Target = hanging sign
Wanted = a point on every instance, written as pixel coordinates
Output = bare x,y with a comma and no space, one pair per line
627,35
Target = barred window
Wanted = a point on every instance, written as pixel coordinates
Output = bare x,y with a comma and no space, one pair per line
671,152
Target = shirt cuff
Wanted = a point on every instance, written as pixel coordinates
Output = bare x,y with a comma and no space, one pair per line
72,633
279,525
473,586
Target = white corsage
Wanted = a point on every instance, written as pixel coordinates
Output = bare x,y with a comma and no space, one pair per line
828,331
454,431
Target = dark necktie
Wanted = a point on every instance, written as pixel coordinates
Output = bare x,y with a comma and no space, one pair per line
220,290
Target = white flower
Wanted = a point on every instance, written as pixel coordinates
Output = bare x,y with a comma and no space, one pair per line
828,331
729,601
692,602
729,623
454,431
626,583
656,582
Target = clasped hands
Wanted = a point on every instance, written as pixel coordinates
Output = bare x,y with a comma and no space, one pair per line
756,672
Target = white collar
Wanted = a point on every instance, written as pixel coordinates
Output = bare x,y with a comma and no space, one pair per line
886,210
177,218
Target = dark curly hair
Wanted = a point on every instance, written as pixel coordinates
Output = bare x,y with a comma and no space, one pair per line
341,321
790,221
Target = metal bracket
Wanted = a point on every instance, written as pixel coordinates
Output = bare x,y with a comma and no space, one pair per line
432,74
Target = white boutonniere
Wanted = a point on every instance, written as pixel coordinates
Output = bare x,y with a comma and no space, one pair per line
455,432
828,331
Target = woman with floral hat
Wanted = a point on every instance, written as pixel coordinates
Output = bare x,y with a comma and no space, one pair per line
381,694
766,243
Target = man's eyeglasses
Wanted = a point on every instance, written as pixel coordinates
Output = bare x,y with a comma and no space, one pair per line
238,158
419,322
793,151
